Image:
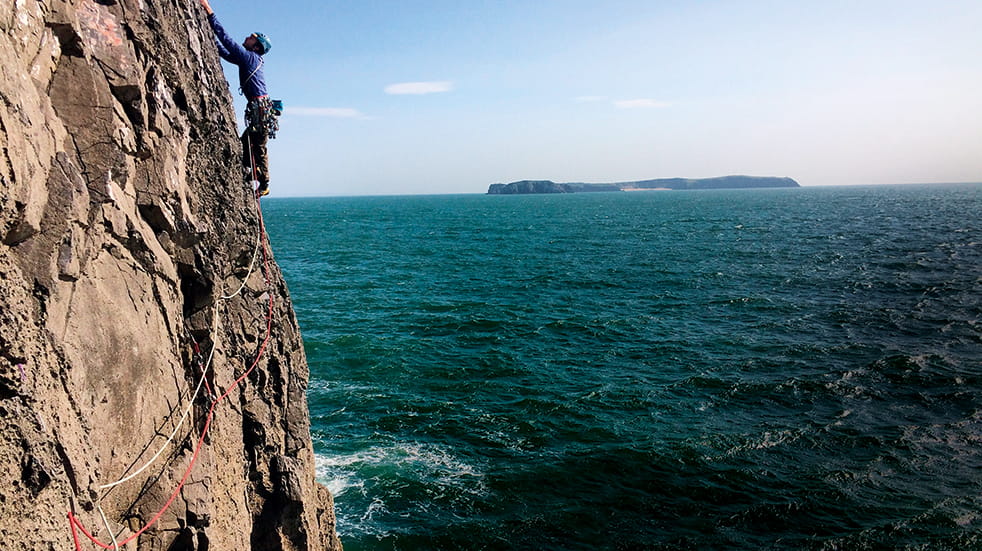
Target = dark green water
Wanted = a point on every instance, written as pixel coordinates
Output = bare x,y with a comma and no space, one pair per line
745,369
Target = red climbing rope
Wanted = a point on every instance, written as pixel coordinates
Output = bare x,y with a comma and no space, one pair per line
71,520
75,523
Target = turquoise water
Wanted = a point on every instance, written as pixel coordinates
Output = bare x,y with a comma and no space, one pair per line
774,369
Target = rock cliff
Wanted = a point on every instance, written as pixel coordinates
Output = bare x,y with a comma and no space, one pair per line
126,231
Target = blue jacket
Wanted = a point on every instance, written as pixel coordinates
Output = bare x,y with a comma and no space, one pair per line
251,78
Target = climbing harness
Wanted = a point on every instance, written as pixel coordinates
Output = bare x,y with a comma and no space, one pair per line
262,116
76,525
262,113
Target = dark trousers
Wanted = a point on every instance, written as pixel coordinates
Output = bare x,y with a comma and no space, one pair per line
254,154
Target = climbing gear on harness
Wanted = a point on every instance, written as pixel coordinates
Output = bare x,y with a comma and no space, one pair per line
262,116
264,42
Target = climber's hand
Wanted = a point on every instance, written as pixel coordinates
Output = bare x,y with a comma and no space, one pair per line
206,6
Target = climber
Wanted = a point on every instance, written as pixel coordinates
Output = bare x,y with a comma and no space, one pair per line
261,112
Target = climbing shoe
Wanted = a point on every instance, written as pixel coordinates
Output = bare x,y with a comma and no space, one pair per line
262,190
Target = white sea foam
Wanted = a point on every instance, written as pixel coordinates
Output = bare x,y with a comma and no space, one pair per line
362,475
336,480
429,463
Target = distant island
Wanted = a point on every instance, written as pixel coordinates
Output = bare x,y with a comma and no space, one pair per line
722,182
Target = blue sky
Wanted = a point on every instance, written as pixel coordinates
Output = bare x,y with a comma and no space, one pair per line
432,96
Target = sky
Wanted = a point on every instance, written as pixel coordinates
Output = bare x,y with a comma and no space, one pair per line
392,97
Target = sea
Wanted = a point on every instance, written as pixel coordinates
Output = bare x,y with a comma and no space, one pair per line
668,370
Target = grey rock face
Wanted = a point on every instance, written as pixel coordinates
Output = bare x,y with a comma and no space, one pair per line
123,224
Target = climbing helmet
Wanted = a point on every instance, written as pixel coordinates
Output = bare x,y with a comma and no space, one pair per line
264,42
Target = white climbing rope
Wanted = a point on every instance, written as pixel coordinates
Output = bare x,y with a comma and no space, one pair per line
252,265
75,524
108,529
204,370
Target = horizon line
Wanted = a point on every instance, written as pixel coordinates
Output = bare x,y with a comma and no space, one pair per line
431,194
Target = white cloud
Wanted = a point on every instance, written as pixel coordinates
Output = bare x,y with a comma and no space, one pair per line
419,88
643,103
335,112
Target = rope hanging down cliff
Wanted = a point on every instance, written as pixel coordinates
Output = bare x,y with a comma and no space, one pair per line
76,525
204,369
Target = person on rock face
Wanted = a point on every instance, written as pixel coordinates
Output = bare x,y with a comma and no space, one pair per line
260,116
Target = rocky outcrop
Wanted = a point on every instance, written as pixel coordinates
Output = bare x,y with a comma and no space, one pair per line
528,186
125,231
546,186
722,182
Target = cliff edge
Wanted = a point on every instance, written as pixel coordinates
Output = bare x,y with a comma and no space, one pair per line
152,375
